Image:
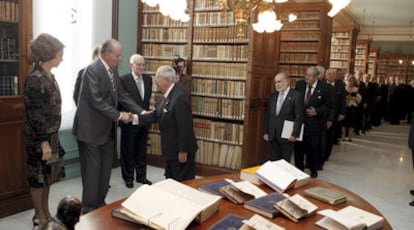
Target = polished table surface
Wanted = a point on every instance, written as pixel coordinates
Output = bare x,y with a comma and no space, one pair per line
102,217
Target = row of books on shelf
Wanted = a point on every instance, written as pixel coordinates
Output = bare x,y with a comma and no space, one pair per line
219,154
221,52
302,25
343,42
299,36
301,15
151,65
298,57
293,70
9,85
164,34
206,5
215,18
359,62
223,132
339,55
219,87
219,34
220,70
8,48
156,19
163,50
301,47
9,10
340,48
218,107
209,153
341,34
338,64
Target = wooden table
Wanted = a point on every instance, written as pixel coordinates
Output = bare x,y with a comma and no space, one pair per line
102,219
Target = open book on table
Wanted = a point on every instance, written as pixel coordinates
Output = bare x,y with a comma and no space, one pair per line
295,207
157,205
349,218
280,175
241,191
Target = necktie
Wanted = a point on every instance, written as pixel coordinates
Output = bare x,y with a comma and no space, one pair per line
111,77
308,94
140,87
279,103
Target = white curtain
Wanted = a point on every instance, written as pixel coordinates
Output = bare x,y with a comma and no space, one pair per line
80,25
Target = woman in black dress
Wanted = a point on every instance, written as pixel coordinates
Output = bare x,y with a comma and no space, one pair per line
353,98
43,116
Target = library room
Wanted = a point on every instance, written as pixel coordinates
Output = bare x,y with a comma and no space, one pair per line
206,114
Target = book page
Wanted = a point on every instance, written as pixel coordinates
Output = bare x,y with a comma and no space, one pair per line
370,219
303,203
247,187
260,223
334,220
288,129
275,177
292,170
186,192
156,207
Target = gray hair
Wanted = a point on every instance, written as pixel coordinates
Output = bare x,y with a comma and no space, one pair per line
134,57
166,71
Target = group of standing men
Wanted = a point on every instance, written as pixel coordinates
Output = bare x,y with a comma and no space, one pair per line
105,99
316,102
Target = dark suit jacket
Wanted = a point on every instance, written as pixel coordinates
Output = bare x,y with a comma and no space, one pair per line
292,109
97,106
176,124
321,100
77,86
129,85
338,100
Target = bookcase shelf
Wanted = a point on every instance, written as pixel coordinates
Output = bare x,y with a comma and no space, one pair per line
362,55
233,77
15,34
343,43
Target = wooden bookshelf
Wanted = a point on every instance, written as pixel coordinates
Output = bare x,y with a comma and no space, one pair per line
343,43
233,77
303,42
372,60
361,55
15,34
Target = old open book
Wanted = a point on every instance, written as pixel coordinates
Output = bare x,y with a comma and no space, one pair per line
169,204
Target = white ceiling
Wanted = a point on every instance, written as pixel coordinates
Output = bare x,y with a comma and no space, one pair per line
389,23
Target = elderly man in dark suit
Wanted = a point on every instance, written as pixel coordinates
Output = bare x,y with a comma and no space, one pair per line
134,137
318,102
173,113
285,105
95,122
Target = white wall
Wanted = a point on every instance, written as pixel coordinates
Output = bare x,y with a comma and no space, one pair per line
80,25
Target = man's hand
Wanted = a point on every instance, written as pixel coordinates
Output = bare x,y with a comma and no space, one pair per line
126,117
341,117
292,139
328,124
182,157
311,111
266,137
46,151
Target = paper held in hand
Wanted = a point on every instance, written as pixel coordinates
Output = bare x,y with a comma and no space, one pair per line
288,129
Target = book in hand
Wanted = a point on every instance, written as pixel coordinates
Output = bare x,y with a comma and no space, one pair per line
327,195
265,205
259,223
230,221
295,207
240,192
280,175
350,218
249,175
156,205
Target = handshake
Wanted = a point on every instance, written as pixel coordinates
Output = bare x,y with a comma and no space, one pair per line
128,117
